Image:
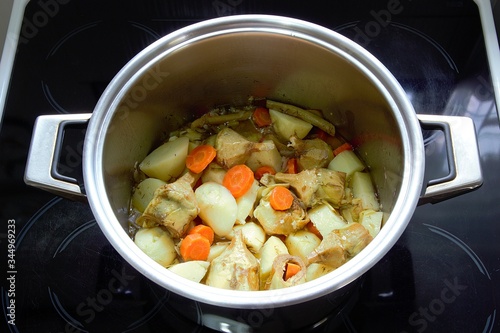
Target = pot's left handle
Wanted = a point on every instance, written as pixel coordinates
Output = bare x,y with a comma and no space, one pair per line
42,156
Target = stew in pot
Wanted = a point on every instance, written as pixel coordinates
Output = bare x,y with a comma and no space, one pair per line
259,197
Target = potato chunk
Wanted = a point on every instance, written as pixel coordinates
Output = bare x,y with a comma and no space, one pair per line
326,219
268,252
144,193
157,244
287,126
302,243
348,162
253,235
246,203
362,188
218,208
372,221
316,270
167,161
192,270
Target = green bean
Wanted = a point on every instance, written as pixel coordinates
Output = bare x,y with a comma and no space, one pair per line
208,119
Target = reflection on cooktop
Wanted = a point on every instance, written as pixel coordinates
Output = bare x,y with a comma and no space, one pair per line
440,276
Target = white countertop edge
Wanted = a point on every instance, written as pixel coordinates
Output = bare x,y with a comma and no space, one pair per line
492,47
9,50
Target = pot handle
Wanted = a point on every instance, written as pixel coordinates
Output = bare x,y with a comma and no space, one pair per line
463,158
41,166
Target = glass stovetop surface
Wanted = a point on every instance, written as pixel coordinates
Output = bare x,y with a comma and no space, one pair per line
442,275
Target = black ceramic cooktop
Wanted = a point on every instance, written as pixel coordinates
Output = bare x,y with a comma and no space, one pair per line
441,276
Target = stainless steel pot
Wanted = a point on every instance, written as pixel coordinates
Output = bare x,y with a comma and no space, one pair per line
224,61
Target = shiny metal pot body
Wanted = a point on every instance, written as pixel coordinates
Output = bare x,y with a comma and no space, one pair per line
225,61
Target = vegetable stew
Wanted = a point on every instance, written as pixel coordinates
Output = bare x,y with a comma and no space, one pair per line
258,197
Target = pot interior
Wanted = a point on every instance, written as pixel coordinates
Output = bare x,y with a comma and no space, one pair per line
181,84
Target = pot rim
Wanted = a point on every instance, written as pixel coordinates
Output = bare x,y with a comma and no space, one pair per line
413,161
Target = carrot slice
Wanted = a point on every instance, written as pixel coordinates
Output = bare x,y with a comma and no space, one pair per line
322,135
261,117
292,165
194,247
290,270
281,198
341,148
238,180
200,157
312,228
203,230
261,171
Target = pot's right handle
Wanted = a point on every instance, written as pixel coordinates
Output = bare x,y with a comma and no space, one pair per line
42,156
463,158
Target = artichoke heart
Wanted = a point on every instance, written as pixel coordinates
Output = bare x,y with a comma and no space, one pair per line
355,237
277,280
314,153
330,251
173,206
233,148
315,185
236,268
277,222
340,245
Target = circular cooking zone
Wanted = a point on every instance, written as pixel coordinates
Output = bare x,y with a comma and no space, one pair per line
74,266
